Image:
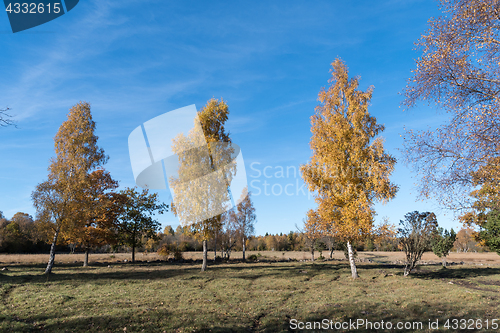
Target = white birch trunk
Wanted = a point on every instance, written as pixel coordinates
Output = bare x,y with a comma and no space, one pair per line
354,272
205,250
52,257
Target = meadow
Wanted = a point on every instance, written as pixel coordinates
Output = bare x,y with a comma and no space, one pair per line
274,294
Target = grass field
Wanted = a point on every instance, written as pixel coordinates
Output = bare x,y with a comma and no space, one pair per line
486,258
264,296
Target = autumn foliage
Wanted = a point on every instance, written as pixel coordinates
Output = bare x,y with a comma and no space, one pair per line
349,169
459,71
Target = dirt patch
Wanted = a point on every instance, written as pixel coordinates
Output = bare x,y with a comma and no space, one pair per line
490,283
469,285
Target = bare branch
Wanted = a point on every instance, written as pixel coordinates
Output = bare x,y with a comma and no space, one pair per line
5,118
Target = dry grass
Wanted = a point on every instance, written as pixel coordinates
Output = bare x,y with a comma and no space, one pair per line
237,297
486,258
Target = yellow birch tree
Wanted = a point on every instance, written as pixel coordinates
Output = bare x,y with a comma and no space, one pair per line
95,215
77,156
313,230
204,173
349,169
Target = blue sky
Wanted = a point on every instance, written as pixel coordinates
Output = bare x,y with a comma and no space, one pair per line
134,60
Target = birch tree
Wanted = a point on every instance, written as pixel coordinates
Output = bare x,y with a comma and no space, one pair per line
349,168
77,155
458,70
204,173
230,232
313,230
95,215
245,218
465,241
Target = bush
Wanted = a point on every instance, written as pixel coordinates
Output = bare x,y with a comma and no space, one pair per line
416,233
177,254
253,257
164,251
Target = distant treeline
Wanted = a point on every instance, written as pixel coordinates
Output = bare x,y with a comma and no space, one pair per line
23,234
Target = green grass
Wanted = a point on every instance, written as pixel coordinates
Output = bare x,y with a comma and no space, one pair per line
251,297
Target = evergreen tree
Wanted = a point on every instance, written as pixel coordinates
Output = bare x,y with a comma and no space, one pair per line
443,243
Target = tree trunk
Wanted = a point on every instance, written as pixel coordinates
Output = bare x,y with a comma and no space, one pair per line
331,252
215,246
444,261
133,252
312,253
354,272
134,242
52,257
244,249
204,265
86,260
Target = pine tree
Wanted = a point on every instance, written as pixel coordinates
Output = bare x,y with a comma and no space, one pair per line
443,243
490,233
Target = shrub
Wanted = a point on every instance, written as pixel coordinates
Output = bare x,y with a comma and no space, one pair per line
164,251
416,233
178,254
443,242
253,257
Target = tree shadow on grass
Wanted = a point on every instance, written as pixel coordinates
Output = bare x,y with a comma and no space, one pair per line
149,321
96,273
21,274
274,317
172,320
455,273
